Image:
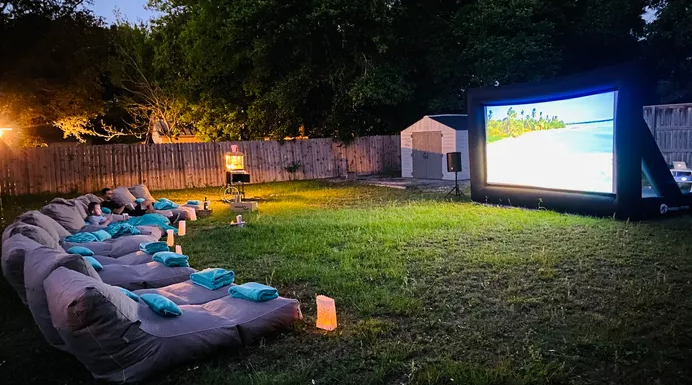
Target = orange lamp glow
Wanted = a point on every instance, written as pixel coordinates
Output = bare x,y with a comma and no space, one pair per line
326,313
234,161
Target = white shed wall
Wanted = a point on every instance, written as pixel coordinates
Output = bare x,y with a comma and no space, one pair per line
452,141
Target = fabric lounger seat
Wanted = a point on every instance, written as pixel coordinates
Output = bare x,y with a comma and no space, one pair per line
114,248
148,275
136,258
121,340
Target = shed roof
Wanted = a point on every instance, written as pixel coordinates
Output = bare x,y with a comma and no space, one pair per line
457,122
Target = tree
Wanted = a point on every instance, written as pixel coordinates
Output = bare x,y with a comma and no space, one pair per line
52,58
669,49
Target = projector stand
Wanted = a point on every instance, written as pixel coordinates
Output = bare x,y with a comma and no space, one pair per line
456,190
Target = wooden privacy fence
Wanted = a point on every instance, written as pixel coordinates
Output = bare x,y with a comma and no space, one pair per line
176,166
671,126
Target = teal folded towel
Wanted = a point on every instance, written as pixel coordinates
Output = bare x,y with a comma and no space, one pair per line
82,238
106,210
165,204
153,247
153,220
193,202
102,235
130,294
171,259
139,200
213,279
119,229
81,250
253,291
161,305
94,263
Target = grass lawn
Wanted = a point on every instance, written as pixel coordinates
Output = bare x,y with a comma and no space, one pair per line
428,291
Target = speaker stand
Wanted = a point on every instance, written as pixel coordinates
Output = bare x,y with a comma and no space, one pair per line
456,190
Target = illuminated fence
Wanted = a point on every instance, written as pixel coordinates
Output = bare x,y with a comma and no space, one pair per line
84,168
671,125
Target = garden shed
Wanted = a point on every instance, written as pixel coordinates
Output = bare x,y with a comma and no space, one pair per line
425,144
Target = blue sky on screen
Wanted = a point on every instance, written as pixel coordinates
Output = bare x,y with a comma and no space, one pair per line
132,10
582,109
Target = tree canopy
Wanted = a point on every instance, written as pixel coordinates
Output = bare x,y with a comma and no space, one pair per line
248,69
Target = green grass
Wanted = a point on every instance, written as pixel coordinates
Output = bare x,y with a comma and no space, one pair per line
428,291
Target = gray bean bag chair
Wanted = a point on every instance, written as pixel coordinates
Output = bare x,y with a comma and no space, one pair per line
69,214
38,264
136,258
114,248
36,218
13,255
34,233
185,213
144,276
121,340
187,293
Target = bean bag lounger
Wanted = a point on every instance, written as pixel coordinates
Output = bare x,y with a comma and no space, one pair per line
13,255
122,340
141,191
36,218
69,214
41,261
148,275
34,233
187,293
136,258
153,231
114,248
38,265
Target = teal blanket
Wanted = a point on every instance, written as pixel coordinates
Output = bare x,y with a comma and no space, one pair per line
152,220
153,247
81,238
96,236
165,204
253,291
213,279
119,229
171,259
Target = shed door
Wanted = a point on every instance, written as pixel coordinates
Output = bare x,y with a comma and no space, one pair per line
427,155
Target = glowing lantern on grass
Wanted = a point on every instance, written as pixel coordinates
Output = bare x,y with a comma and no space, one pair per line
170,238
182,228
326,313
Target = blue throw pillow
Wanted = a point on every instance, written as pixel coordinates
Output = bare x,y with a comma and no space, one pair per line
161,305
102,235
139,200
130,294
81,250
106,210
94,263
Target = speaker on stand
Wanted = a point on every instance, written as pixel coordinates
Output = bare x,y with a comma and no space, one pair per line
454,165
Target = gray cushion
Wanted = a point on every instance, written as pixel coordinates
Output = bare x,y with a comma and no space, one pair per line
121,340
68,215
141,191
13,255
38,265
149,275
45,222
187,293
34,233
88,198
123,197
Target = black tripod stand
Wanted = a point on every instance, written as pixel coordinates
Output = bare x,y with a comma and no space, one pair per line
456,190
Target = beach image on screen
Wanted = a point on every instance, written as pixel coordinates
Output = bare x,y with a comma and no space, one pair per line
562,144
